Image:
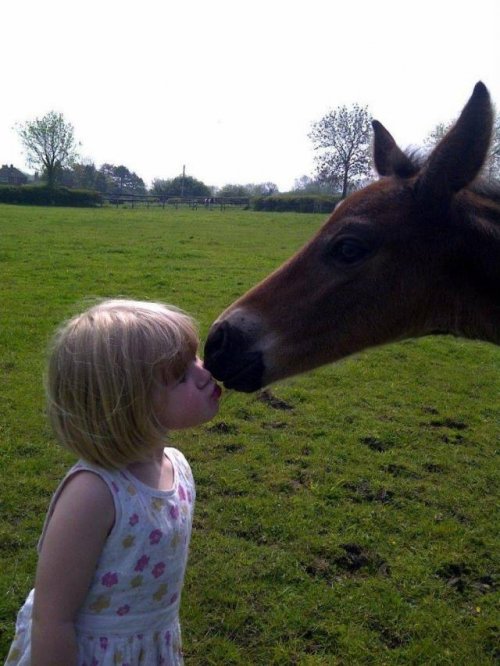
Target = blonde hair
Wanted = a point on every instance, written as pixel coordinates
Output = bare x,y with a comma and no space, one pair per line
102,369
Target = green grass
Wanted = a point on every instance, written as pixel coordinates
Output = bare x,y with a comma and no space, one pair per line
358,527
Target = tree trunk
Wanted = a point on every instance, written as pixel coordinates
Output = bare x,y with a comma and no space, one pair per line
344,183
50,177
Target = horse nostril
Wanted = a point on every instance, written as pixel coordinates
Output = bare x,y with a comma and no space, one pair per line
215,344
217,339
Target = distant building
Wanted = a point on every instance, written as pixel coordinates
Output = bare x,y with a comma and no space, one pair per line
9,175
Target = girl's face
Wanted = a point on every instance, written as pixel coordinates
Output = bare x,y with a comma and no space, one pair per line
190,401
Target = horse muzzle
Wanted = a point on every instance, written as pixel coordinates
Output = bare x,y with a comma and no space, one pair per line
231,357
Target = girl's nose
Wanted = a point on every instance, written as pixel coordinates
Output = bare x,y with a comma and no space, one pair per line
204,375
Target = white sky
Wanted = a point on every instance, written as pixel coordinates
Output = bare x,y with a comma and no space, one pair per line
230,88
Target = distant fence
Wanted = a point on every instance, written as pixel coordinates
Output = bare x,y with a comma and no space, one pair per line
148,200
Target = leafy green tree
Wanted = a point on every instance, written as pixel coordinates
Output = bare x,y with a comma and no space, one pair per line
262,189
85,176
120,180
249,190
49,143
161,187
233,190
181,186
342,140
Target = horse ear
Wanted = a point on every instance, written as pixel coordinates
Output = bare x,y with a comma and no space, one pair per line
389,158
459,156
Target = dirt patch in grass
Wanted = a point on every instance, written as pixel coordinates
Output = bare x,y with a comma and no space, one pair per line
223,428
274,425
352,559
363,492
375,444
233,447
272,401
452,424
400,471
462,578
391,638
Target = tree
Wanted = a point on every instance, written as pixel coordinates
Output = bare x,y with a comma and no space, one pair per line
249,190
342,139
232,190
120,180
161,187
308,185
494,163
181,186
85,176
49,143
262,189
435,136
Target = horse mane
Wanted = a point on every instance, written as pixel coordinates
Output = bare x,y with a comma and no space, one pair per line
486,187
483,186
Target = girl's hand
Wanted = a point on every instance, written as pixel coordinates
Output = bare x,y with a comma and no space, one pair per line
80,523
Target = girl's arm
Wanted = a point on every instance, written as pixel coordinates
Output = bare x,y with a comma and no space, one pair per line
82,519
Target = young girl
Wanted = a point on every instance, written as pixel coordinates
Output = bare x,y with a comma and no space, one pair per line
113,550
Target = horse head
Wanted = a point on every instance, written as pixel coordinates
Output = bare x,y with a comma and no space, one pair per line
411,254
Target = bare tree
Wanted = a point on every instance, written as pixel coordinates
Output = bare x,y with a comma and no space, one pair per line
494,161
435,135
342,139
49,143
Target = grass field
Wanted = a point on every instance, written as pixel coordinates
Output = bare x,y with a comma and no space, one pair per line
351,520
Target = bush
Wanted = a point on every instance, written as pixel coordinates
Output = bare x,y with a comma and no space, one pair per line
35,195
298,203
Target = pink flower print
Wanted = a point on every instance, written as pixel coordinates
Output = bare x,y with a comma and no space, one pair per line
174,598
109,579
133,520
158,569
103,642
123,610
174,511
182,493
142,563
155,537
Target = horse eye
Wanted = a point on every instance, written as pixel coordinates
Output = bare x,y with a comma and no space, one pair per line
347,251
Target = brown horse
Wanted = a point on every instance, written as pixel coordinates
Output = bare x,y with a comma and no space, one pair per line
415,253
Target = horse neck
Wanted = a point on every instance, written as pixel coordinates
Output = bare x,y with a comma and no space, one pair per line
477,298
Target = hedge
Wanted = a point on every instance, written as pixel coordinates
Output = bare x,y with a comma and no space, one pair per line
36,195
305,203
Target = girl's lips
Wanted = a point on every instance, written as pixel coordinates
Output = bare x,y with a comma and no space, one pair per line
217,392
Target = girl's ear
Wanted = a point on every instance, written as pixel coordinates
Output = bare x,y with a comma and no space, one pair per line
459,156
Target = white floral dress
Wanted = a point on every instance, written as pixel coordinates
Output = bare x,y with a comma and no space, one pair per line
130,616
